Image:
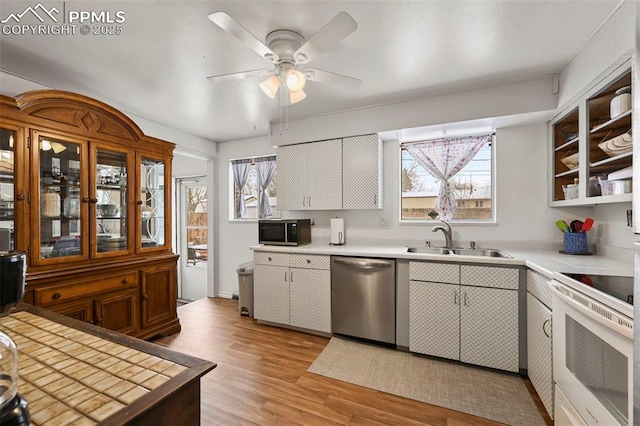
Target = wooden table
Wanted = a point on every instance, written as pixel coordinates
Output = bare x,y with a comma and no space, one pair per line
74,372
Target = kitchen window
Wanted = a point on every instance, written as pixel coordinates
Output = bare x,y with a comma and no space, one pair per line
253,188
465,164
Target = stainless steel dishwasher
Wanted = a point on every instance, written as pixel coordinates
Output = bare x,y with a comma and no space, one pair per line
363,298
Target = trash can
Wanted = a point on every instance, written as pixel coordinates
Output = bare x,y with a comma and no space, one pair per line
245,288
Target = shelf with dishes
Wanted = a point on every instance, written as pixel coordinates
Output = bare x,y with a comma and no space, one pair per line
592,145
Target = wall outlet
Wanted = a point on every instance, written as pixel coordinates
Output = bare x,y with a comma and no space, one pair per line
384,223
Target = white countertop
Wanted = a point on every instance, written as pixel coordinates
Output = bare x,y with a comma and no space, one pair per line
544,261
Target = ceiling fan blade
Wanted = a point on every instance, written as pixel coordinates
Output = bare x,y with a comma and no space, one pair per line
338,28
230,25
240,75
331,78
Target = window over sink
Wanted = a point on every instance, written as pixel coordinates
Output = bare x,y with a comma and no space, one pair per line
465,163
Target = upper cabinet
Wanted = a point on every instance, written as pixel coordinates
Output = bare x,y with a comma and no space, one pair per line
336,174
87,196
591,145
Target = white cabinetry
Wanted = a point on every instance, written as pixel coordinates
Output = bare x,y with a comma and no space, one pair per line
465,312
362,172
539,357
331,175
293,289
310,176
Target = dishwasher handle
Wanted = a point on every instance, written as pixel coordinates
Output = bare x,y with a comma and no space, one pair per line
363,264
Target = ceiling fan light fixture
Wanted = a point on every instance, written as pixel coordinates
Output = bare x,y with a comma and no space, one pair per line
270,86
297,96
295,80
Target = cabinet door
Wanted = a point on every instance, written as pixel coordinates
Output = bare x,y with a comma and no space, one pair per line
324,175
113,208
292,177
159,294
59,225
154,214
12,198
434,319
271,293
540,362
310,299
82,310
362,172
118,311
489,327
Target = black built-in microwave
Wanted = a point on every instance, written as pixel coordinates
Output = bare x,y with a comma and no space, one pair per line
284,232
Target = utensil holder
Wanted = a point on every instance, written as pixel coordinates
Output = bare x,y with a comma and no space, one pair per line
575,242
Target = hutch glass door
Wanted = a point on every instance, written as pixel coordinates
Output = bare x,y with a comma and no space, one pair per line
111,184
61,206
152,200
8,141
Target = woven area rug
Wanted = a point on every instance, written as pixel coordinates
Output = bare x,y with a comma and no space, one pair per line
502,397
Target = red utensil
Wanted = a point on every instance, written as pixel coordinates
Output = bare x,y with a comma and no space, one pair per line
588,223
576,225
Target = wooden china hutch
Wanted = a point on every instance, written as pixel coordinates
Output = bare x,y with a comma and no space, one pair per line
87,196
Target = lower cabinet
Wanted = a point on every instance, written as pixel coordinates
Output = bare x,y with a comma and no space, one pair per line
539,356
141,302
473,324
292,289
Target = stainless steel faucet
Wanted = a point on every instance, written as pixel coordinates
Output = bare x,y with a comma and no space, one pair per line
446,230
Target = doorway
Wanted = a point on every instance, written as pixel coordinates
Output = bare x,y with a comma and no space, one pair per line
192,234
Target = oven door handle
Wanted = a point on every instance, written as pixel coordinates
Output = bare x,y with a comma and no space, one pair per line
625,331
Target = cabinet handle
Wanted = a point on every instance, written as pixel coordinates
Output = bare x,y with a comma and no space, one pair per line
139,202
145,297
20,197
309,201
544,330
94,200
455,297
465,298
308,260
375,199
269,259
285,276
86,199
291,276
56,296
125,281
304,200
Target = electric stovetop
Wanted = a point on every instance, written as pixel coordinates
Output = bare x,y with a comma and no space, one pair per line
619,287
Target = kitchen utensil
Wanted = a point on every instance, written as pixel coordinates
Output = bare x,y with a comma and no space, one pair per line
562,225
576,225
588,223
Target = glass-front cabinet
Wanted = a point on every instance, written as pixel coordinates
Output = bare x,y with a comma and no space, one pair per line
11,198
152,202
86,194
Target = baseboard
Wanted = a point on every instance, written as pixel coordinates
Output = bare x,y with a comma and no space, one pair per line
225,295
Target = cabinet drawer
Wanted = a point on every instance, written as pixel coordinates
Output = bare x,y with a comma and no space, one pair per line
537,285
309,261
271,258
63,293
436,272
487,276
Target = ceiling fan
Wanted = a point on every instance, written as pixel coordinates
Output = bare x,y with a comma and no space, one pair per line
287,50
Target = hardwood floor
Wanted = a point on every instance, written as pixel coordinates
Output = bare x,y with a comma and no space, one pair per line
262,377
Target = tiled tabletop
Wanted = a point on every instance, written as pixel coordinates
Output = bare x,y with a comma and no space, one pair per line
70,377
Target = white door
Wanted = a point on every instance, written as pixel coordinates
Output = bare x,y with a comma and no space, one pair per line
292,166
310,299
194,248
324,178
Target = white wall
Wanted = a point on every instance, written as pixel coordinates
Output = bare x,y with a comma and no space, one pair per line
235,237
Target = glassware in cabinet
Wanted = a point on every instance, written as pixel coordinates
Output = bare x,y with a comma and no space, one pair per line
566,143
111,182
8,144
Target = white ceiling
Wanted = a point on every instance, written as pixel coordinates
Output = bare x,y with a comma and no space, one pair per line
401,50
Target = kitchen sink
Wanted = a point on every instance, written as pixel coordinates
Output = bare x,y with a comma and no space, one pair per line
459,251
428,250
481,252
